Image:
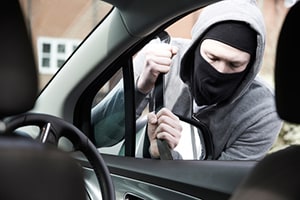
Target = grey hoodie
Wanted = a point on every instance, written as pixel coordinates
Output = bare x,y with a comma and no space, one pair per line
245,127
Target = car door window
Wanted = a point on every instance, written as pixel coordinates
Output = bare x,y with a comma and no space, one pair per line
113,113
108,121
108,116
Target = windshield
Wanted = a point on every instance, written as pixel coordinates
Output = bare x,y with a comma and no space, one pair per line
57,27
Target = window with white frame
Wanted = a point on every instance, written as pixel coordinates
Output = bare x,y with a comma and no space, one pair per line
52,53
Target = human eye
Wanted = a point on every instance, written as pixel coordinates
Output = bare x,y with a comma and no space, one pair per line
234,65
212,58
237,66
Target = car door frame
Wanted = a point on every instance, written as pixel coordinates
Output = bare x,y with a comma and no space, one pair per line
147,178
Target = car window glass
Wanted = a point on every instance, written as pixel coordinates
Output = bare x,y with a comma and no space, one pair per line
182,29
57,27
108,116
176,31
107,121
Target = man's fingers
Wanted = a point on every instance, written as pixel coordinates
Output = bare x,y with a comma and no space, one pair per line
152,125
159,65
152,118
166,128
166,116
174,51
171,140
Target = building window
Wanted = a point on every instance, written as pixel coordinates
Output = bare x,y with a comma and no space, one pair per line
46,48
52,53
61,48
46,62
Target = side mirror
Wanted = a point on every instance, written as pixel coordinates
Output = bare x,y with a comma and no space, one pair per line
195,143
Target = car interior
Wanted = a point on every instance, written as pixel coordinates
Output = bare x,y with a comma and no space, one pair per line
19,171
35,169
27,165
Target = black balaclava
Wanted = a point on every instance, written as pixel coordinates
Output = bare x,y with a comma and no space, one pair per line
210,86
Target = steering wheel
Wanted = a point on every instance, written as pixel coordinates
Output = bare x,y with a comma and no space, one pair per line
53,128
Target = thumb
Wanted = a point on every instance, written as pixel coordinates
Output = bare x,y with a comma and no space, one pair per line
174,50
152,124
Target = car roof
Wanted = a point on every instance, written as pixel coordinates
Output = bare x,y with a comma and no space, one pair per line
143,17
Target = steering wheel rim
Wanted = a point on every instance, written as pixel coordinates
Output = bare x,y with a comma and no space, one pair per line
61,128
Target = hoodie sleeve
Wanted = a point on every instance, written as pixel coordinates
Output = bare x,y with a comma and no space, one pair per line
256,141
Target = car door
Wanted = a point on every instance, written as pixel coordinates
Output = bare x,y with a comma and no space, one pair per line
107,112
102,67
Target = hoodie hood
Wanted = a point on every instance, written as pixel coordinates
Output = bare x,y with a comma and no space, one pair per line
227,10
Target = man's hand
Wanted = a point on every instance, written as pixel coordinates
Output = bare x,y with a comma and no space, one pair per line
158,59
163,125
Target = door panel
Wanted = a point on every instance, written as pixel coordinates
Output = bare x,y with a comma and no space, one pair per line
179,179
